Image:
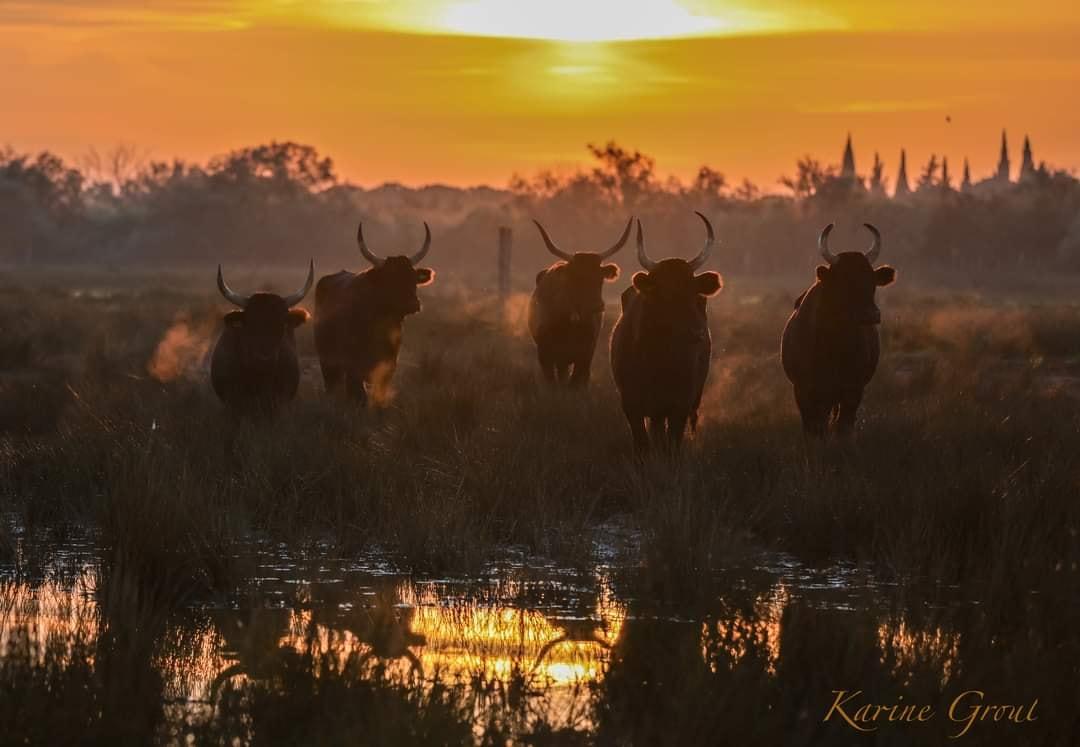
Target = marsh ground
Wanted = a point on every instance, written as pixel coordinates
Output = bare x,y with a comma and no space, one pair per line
960,485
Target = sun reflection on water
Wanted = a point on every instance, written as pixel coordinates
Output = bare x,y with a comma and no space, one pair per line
552,641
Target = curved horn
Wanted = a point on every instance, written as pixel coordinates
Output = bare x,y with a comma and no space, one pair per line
621,242
424,249
710,239
297,297
823,243
368,255
875,248
551,247
642,257
230,295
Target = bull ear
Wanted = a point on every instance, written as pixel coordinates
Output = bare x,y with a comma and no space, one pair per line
234,319
884,275
540,276
822,272
708,283
609,272
424,276
298,316
643,282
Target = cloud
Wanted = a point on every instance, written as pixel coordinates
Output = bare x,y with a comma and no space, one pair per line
174,14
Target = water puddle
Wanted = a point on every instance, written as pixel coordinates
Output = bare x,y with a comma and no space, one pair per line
521,650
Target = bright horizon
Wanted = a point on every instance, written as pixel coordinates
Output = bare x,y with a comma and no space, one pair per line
467,93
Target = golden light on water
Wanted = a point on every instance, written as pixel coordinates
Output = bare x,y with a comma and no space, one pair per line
417,634
911,648
49,612
738,636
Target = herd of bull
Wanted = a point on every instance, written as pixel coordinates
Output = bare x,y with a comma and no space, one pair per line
660,347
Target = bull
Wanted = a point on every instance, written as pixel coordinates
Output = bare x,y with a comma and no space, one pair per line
830,345
566,309
254,367
359,319
661,346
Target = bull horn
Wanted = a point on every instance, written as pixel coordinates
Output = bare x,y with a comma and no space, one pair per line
230,295
710,239
368,254
823,243
621,242
297,297
551,247
642,257
875,248
424,249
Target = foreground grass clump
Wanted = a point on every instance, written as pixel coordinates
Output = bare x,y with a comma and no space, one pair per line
964,468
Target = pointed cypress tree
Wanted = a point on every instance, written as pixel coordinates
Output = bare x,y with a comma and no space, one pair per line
1003,162
847,171
902,186
1027,166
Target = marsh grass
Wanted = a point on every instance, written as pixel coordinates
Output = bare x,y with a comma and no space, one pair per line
964,467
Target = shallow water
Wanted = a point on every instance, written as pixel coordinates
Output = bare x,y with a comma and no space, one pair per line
527,650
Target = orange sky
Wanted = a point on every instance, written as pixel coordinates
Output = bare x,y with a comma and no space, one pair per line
423,91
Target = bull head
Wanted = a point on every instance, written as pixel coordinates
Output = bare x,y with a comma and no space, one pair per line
675,278
695,263
291,300
850,279
871,253
554,249
378,261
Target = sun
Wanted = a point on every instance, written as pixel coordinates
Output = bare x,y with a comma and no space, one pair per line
580,20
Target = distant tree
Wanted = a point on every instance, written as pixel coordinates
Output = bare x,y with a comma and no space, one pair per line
46,178
39,197
285,165
626,176
747,191
929,176
809,177
877,177
709,182
539,186
113,167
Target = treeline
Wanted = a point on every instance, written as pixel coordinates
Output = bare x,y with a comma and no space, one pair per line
281,202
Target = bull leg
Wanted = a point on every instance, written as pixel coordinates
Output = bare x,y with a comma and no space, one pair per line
847,410
355,390
638,432
814,414
332,377
580,378
582,369
658,431
562,372
676,430
547,364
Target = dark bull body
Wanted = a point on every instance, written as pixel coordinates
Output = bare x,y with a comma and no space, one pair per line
566,310
254,367
359,319
830,345
661,346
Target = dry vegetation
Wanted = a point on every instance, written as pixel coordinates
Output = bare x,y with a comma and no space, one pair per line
964,467
963,472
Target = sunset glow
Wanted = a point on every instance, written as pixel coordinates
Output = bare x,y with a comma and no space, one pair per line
574,21
473,91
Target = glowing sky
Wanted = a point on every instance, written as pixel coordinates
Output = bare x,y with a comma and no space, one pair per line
468,91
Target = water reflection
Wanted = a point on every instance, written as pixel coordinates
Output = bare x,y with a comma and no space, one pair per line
518,653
